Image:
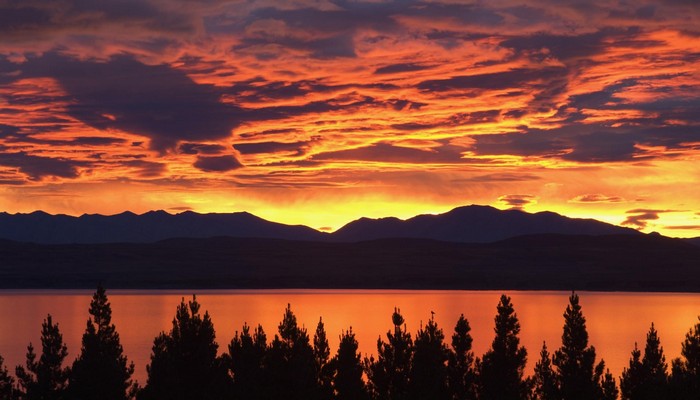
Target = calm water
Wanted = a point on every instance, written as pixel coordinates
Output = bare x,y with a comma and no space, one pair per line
615,320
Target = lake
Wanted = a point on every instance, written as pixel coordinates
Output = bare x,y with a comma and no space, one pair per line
615,320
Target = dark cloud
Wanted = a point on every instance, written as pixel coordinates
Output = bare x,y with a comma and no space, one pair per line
330,47
217,163
8,130
267,132
181,208
259,90
415,126
459,119
22,18
37,167
80,141
200,148
529,143
299,148
402,67
347,103
517,201
151,100
465,13
568,47
596,198
147,169
640,217
333,31
144,13
514,78
350,17
587,142
403,104
33,19
385,152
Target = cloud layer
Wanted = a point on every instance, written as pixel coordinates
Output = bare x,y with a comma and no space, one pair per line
585,109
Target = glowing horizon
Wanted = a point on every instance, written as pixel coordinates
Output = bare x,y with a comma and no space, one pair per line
320,112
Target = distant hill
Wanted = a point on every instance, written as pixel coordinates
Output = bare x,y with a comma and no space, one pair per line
534,262
475,224
40,227
471,224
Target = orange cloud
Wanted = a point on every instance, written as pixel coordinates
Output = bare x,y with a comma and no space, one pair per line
351,107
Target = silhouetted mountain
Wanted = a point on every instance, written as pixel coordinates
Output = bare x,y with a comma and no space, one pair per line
474,224
40,227
542,262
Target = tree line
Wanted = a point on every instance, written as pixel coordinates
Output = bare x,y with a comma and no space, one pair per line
185,363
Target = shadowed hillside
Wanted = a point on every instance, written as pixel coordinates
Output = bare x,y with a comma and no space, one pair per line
617,262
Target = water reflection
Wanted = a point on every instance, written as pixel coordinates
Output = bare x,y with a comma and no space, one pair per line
615,320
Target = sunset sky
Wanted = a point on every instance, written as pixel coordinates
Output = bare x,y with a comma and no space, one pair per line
319,112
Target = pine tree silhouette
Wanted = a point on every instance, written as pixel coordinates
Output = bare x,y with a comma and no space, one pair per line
606,386
544,381
246,354
346,369
290,366
184,364
101,371
428,374
321,354
578,375
685,375
648,378
501,370
461,375
7,383
388,374
632,378
45,379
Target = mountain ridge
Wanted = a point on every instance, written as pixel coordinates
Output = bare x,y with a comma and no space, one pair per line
465,224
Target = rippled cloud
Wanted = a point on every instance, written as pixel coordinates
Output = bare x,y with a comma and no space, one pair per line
557,100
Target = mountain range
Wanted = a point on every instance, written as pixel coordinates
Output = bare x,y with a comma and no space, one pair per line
474,224
471,247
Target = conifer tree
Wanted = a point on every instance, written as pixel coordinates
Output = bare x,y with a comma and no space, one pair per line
184,362
648,378
321,354
388,374
428,374
45,379
544,381
347,370
290,366
461,376
101,371
575,360
501,370
632,377
685,376
606,387
7,383
246,354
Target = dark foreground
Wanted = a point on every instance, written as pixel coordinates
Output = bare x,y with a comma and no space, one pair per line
540,262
